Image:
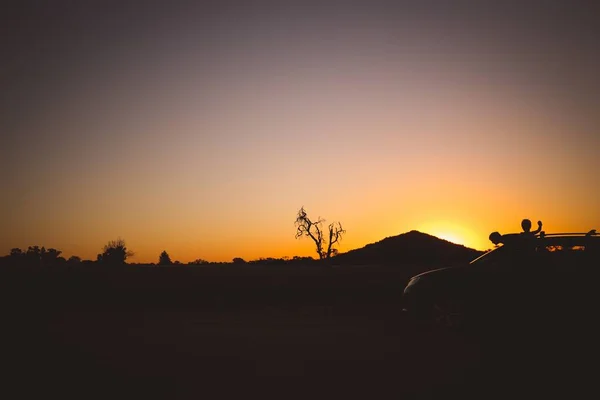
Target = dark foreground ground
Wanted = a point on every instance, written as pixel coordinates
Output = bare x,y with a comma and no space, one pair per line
263,332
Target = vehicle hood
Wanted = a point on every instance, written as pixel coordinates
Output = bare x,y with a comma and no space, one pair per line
439,272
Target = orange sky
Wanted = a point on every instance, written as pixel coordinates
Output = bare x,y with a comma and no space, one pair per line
205,139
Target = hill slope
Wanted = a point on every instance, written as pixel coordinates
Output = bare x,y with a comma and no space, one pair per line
411,248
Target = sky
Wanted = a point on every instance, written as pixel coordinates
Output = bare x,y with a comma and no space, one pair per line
202,129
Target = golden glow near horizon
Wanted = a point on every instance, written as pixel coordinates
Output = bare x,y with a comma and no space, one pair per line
207,139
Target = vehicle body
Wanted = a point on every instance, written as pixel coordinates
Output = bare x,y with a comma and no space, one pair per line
523,279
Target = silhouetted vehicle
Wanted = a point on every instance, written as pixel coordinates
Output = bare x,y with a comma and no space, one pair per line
545,278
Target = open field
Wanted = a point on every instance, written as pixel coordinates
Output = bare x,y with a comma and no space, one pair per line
285,332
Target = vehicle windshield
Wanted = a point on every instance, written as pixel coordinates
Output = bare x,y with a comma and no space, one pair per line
487,256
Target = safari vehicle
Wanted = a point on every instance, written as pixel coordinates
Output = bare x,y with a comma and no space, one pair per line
524,278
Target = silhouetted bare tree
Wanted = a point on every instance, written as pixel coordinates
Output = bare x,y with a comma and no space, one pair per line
164,259
314,230
115,252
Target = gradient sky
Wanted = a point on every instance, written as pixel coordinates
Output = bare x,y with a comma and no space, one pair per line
201,130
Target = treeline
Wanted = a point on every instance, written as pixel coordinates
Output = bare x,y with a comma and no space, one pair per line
35,255
116,253
164,259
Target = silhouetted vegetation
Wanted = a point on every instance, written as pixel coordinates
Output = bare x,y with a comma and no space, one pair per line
324,240
35,256
412,248
164,259
199,261
74,260
115,253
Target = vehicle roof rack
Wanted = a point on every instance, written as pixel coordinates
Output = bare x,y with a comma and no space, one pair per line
590,233
541,235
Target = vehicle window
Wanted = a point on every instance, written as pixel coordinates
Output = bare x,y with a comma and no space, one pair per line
560,248
544,251
569,254
551,249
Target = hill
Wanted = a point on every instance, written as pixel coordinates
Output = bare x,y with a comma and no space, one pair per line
411,248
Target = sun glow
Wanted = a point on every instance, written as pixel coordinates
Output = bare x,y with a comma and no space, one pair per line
452,232
451,237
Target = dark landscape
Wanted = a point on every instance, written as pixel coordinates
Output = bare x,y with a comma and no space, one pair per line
304,330
154,155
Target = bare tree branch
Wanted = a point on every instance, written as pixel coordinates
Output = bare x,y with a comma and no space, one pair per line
336,231
314,230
